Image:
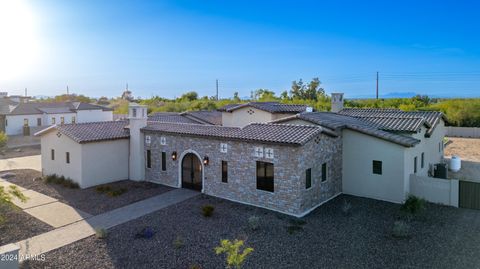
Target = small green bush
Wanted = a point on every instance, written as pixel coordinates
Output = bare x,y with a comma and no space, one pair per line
207,210
103,188
116,192
413,205
346,207
235,259
254,223
3,140
400,229
101,233
178,242
61,180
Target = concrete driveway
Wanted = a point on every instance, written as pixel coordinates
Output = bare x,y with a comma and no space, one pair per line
28,162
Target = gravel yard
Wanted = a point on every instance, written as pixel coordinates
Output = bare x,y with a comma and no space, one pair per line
8,153
442,237
89,200
19,225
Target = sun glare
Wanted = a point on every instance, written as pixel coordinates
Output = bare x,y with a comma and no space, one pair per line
19,45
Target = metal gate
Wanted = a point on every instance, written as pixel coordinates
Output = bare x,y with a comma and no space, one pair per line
469,194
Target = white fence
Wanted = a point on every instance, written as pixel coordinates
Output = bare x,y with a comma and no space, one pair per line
473,132
435,190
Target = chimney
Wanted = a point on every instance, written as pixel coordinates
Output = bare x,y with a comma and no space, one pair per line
137,119
337,102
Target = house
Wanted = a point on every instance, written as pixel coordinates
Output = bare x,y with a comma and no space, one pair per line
281,157
37,115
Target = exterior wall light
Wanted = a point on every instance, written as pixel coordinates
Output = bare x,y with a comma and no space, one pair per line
205,160
174,155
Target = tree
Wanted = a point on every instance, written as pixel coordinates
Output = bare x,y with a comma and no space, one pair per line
235,97
298,89
6,197
284,95
235,259
189,96
264,95
311,91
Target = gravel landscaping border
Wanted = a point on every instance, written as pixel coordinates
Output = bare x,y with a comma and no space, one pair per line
332,236
88,200
19,225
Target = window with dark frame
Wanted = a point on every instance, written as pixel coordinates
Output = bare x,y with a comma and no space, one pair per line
324,172
422,160
67,157
308,178
224,171
39,121
52,154
377,167
265,177
25,122
149,159
164,161
415,164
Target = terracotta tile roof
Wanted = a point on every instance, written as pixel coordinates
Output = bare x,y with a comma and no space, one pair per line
52,108
92,132
432,118
212,117
171,117
337,122
396,124
257,132
272,107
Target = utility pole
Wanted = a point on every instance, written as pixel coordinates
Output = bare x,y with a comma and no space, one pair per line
26,92
377,85
68,91
217,88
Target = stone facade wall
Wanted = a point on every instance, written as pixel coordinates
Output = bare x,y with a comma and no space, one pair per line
290,163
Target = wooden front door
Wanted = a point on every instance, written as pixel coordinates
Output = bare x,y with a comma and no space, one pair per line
191,172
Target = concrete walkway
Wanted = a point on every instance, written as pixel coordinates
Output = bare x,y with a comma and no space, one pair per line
82,229
29,162
46,208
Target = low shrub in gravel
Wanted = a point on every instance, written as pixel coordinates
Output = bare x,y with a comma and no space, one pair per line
295,225
6,197
61,180
413,205
346,207
235,259
101,233
116,192
400,229
178,242
254,223
103,188
207,210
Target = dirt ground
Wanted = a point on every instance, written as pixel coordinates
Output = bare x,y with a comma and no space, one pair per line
467,149
20,152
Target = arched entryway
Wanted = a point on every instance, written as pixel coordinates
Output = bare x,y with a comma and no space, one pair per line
191,172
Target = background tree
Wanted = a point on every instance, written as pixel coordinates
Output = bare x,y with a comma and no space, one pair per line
189,96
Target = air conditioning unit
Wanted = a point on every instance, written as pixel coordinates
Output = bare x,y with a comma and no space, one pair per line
440,170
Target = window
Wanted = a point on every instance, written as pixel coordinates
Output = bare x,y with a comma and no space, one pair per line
223,148
415,164
422,160
308,178
6,122
67,157
39,121
149,159
25,122
164,161
62,120
224,171
324,172
53,120
134,112
265,176
74,120
52,154
377,167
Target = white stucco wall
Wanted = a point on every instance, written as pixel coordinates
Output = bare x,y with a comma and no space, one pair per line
15,123
104,162
94,115
241,117
435,190
359,151
58,166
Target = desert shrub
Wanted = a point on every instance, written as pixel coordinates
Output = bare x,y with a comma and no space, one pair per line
116,192
61,180
101,233
234,256
178,242
207,210
3,140
254,222
103,188
6,196
346,207
413,205
400,229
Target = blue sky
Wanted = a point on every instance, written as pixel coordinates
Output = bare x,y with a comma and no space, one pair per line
169,47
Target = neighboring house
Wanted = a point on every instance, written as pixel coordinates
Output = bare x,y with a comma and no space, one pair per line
291,165
37,115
